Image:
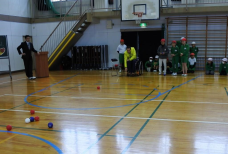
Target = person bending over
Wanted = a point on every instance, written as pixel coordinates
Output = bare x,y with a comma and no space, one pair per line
210,67
149,64
223,68
129,60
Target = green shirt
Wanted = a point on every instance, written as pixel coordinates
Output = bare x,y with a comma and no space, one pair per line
194,50
210,67
175,51
185,50
179,44
223,67
148,63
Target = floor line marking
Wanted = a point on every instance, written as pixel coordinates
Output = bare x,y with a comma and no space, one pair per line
160,94
144,125
137,118
12,81
226,91
8,138
94,143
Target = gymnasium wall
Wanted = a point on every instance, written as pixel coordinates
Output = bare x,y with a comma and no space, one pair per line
98,34
14,30
20,8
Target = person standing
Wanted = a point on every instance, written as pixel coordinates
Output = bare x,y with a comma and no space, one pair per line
175,53
194,49
121,49
27,48
184,53
163,52
210,67
129,60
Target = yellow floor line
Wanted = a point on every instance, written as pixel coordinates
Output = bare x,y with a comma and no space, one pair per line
8,138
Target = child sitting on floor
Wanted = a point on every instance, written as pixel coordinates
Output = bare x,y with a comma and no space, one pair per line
210,67
223,68
192,63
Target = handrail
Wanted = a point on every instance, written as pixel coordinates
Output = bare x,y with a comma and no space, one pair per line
58,24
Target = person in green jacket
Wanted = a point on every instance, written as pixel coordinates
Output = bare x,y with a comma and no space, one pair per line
210,67
149,64
194,49
179,44
129,60
175,53
223,68
184,53
156,63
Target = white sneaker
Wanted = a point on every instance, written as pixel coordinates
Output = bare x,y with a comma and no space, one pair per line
34,77
173,74
185,74
182,74
155,70
159,73
120,71
30,78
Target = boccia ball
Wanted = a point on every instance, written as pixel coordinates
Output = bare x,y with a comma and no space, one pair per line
27,120
98,87
37,118
32,111
50,125
9,128
31,119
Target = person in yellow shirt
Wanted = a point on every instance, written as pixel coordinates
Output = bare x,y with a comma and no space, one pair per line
129,60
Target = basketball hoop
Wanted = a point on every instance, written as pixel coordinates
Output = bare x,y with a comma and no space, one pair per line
139,14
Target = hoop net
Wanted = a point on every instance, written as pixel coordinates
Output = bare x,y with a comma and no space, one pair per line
139,14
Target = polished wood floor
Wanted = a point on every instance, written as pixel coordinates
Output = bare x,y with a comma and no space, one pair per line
149,114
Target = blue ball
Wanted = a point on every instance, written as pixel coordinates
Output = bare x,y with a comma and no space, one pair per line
50,125
31,119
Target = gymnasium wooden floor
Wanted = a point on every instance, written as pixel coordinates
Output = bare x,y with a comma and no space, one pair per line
149,114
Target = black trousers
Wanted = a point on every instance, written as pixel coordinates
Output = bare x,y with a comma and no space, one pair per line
131,66
210,72
28,65
223,73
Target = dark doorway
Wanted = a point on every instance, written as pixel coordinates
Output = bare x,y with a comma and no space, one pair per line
146,43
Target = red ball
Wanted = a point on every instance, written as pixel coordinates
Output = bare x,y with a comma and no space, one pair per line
98,87
37,118
32,111
9,128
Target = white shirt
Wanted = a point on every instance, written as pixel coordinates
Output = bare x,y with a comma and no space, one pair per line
122,48
192,61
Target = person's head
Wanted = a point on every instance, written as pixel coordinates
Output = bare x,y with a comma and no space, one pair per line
182,38
184,41
209,60
122,41
224,60
193,44
27,38
162,41
128,49
156,58
174,43
151,59
192,55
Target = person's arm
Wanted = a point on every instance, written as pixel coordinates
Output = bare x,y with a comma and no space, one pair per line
159,50
133,57
167,50
125,59
220,68
19,49
33,48
146,64
118,49
213,68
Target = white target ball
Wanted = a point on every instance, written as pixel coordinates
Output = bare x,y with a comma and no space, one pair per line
27,120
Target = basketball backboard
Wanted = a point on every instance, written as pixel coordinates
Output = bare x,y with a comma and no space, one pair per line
150,9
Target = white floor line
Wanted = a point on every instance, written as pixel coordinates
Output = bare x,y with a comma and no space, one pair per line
194,102
12,81
91,115
73,97
1,95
